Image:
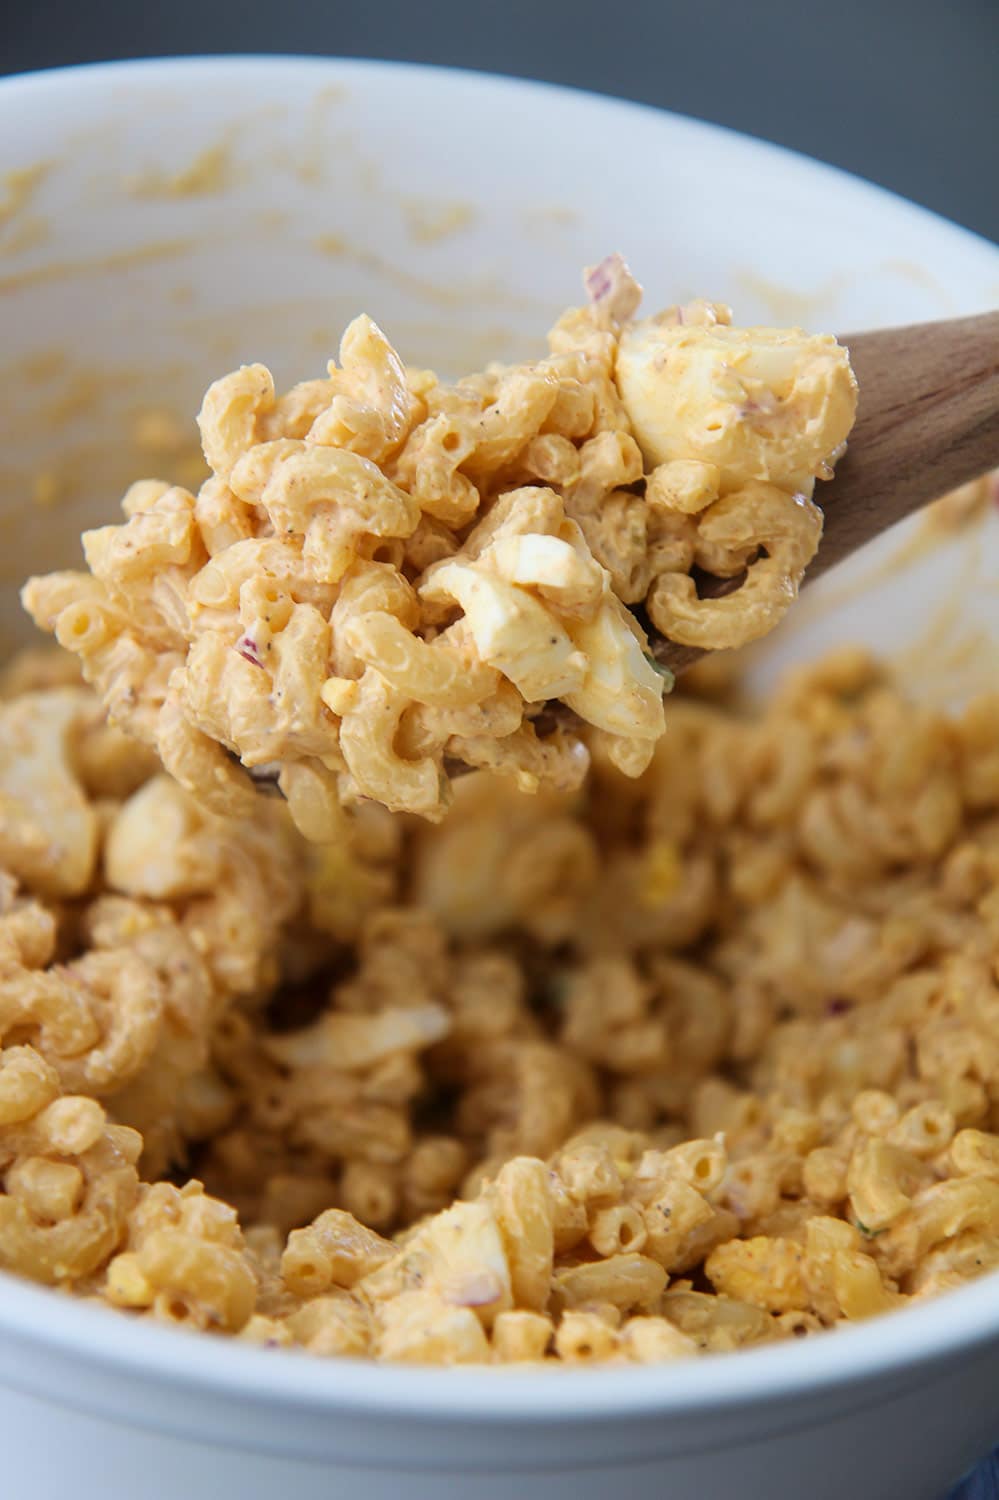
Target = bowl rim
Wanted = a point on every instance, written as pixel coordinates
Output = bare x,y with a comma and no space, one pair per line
933,1332
945,1328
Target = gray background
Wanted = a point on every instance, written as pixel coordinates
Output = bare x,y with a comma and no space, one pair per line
903,92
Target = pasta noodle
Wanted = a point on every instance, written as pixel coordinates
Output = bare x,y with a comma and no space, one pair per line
693,1049
377,555
533,1106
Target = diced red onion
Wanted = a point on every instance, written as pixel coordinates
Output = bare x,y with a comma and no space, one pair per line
247,649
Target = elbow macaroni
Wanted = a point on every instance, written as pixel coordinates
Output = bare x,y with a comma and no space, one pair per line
589,1156
638,1069
377,547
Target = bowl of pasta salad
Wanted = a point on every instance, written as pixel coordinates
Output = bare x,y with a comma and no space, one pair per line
436,1048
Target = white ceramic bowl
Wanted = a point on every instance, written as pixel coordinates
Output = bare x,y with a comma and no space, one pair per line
458,209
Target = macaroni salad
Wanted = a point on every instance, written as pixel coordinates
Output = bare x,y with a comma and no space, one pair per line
386,576
642,1066
663,1066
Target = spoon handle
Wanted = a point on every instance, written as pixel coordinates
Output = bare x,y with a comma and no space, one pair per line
928,421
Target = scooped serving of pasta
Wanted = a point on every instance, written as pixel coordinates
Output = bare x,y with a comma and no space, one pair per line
670,1028
384,571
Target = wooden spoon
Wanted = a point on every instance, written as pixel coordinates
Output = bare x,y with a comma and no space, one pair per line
927,421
